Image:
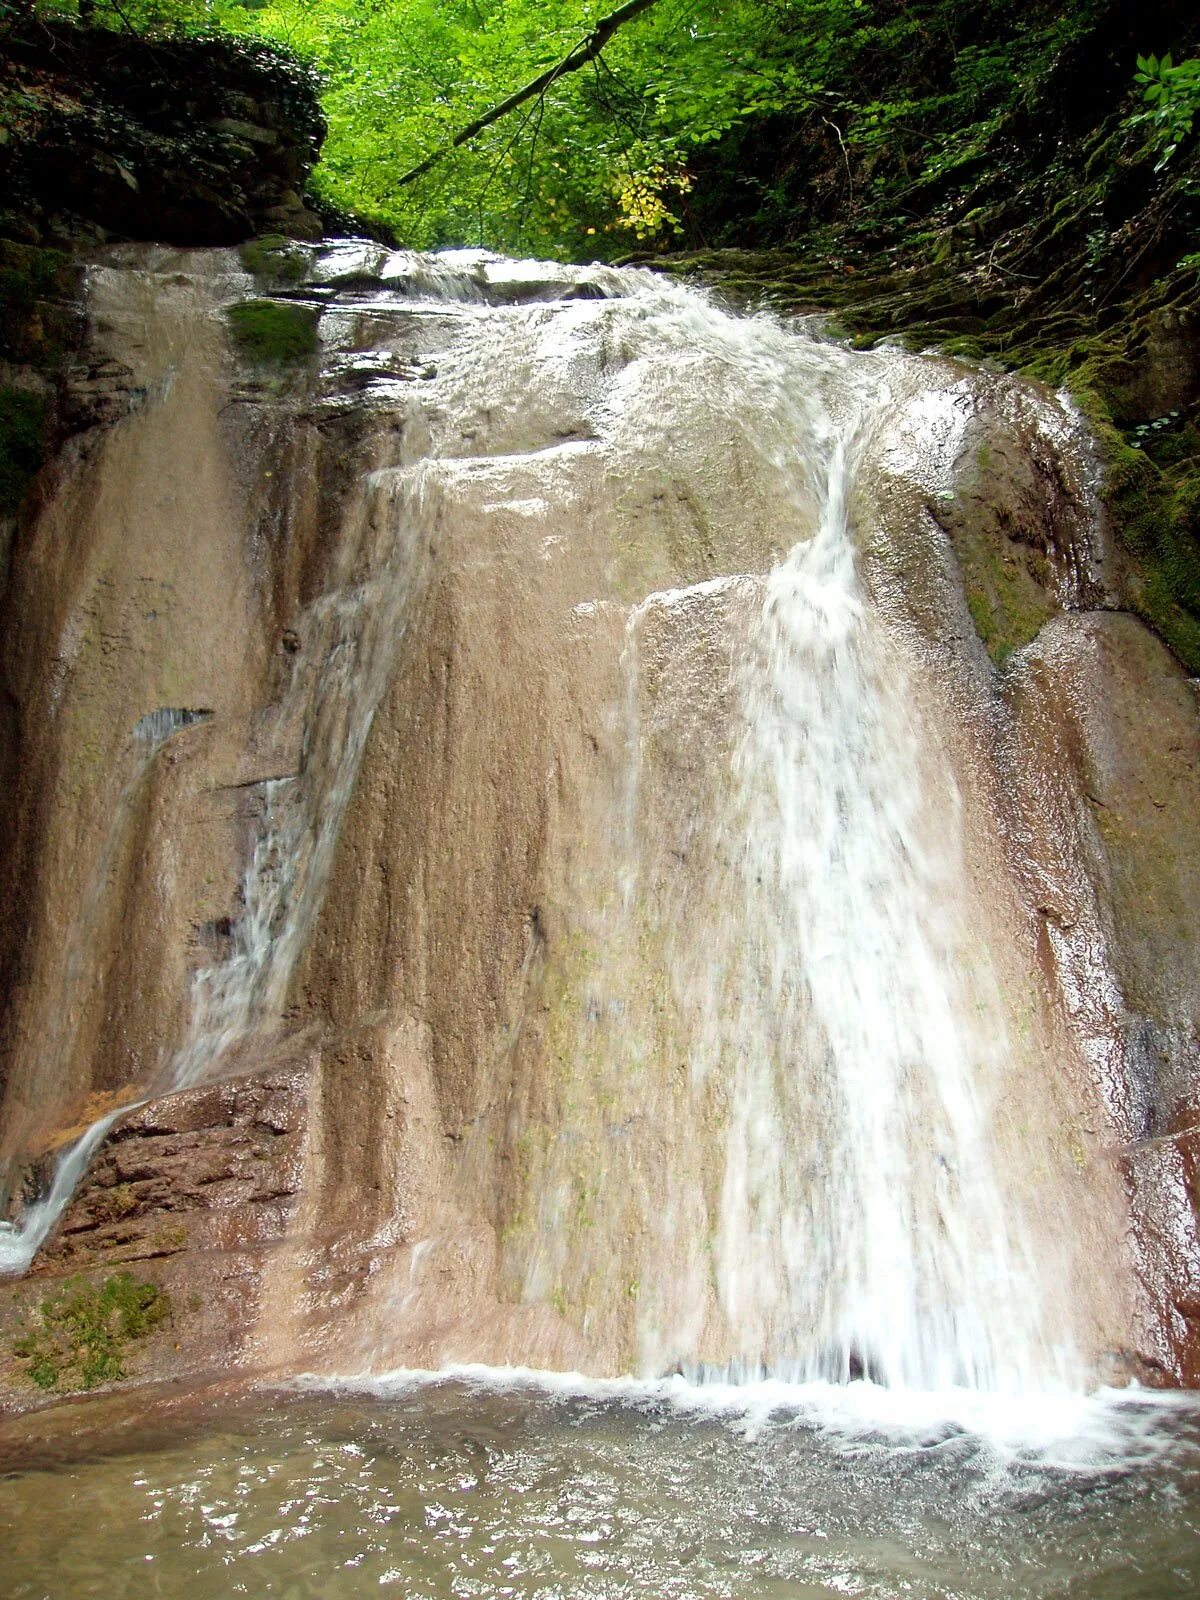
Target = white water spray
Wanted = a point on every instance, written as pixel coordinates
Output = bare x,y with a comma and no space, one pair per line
864,1020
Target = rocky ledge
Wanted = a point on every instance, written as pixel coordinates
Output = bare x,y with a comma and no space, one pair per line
185,1202
110,135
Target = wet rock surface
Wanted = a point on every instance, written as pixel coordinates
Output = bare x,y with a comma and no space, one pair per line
190,1193
213,1168
429,608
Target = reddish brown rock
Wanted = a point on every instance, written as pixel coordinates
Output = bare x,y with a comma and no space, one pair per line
190,1192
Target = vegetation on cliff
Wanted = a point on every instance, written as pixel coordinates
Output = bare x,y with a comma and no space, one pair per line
701,121
23,417
111,132
272,333
79,1336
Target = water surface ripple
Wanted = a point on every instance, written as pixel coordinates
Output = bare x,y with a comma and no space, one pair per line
462,1487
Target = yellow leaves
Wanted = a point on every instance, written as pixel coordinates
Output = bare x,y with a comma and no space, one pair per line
642,199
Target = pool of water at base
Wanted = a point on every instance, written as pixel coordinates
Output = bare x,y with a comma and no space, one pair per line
459,1488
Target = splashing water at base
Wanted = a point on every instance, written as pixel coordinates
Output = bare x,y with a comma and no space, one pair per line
524,1485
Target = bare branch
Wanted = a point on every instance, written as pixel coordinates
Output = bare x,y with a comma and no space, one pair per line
579,57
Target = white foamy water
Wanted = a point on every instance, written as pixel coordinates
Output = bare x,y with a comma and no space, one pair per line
1066,1431
862,1017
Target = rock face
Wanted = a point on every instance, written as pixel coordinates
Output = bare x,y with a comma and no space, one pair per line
446,771
192,141
190,1192
214,1169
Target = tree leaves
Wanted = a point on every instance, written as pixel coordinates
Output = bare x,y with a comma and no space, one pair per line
1172,96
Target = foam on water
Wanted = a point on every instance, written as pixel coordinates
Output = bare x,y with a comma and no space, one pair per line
1107,1430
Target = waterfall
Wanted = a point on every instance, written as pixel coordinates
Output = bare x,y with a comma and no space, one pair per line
866,1028
238,998
712,951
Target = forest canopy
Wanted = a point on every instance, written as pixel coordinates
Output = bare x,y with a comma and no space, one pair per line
627,150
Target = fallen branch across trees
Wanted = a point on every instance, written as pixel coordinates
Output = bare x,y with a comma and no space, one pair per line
579,57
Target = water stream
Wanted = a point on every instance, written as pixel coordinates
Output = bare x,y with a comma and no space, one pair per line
859,997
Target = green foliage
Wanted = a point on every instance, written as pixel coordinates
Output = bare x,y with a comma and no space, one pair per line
617,153
162,17
36,319
600,158
27,275
273,333
80,1334
23,424
1171,93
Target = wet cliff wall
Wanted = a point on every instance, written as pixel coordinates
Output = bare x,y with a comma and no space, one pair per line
1017,213
105,135
454,1121
108,136
378,822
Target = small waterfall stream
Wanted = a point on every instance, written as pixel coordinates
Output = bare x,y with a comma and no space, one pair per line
236,1001
853,994
746,1101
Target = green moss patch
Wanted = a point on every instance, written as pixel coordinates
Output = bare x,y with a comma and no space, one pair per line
1152,492
39,321
273,333
24,424
274,259
80,1335
29,273
1008,605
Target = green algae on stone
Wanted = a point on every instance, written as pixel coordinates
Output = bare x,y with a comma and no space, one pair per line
274,259
80,1334
39,321
1154,505
29,273
24,424
273,332
1007,604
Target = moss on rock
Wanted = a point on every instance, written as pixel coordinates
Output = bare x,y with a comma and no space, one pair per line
24,427
1007,606
39,322
273,333
200,140
1151,489
274,259
79,1336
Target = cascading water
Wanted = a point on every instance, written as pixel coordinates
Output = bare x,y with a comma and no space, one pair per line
622,800
19,1245
352,634
816,930
853,1000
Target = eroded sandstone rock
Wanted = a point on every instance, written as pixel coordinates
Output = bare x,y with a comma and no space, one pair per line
432,895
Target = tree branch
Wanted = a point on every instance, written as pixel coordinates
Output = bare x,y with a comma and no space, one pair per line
579,57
